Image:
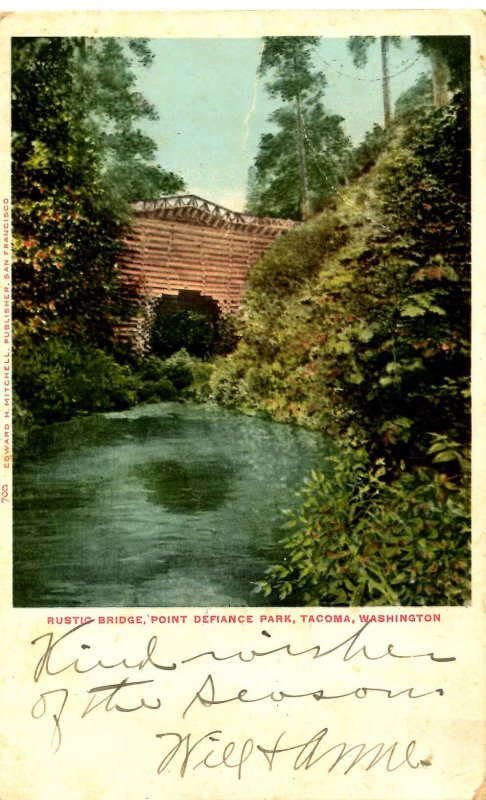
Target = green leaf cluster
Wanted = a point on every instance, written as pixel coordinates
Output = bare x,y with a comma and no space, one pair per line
58,379
192,322
358,539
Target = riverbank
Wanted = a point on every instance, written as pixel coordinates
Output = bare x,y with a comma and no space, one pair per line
59,379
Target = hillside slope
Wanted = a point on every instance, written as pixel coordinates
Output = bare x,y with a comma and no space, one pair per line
357,324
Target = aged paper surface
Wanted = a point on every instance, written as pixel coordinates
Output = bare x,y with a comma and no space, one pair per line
204,727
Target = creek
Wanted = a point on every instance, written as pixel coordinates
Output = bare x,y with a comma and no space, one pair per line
162,505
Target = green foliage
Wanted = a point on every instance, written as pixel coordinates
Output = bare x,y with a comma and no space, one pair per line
188,329
274,181
455,52
23,423
155,385
178,369
78,159
358,321
227,334
228,385
57,379
358,47
416,100
358,539
155,390
300,165
294,258
106,90
357,324
289,58
188,376
192,322
181,376
365,155
61,378
200,387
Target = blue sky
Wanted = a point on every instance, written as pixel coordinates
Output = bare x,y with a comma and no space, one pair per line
213,110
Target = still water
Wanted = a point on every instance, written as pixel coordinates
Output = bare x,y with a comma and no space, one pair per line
161,505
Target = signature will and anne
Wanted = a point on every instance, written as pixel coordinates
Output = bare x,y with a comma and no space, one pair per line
139,688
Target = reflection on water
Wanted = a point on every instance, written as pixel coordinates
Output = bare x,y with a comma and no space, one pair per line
161,505
187,487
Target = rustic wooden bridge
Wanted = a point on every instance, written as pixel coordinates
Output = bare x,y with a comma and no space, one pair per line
183,242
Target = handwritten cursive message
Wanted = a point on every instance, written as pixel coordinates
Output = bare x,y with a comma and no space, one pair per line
322,676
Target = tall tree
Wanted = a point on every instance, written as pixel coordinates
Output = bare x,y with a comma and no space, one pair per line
74,113
297,167
449,57
358,47
289,58
111,107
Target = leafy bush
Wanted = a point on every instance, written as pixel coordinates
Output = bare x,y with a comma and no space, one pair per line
151,368
23,423
228,384
58,378
152,391
200,388
181,375
178,369
416,100
187,329
359,539
295,257
192,322
227,334
365,155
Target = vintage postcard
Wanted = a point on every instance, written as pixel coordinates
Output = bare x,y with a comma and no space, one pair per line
242,540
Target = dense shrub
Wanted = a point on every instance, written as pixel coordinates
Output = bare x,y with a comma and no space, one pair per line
227,334
187,329
296,257
180,376
365,155
58,378
151,391
178,369
193,322
357,539
200,387
404,322
23,423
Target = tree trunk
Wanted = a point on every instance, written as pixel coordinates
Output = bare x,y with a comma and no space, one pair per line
385,80
440,78
304,186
